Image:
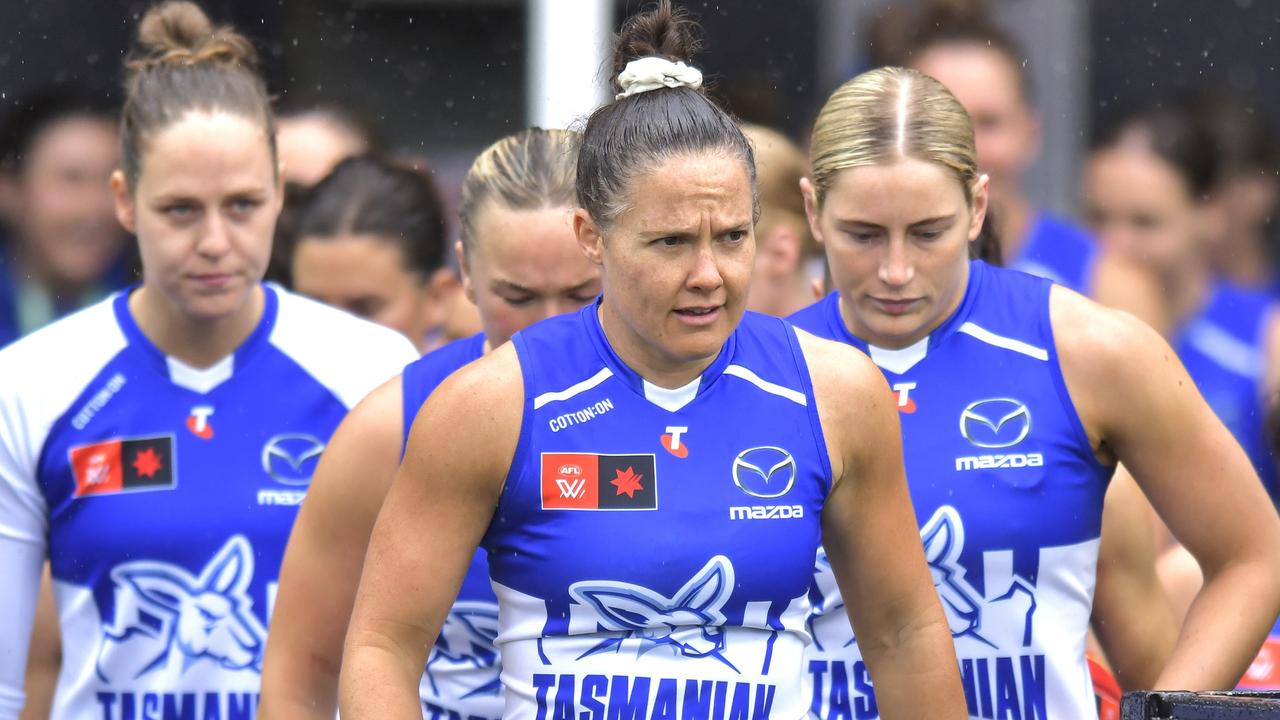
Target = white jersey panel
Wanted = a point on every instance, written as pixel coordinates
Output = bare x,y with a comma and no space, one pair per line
325,341
40,376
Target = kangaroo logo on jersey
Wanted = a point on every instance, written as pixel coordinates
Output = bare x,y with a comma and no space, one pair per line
198,422
168,622
589,481
1002,618
128,465
467,641
689,623
291,458
1008,615
995,423
764,472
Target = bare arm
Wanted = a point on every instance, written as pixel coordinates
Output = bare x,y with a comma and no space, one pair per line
44,660
872,539
322,563
432,521
1121,284
1132,616
1138,403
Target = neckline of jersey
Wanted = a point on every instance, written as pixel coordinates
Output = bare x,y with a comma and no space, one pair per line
977,271
242,355
633,379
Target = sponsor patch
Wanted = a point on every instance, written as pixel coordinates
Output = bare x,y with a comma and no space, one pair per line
589,481
123,465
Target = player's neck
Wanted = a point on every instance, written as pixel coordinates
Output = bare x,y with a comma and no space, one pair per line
1186,290
198,343
1245,262
784,298
646,360
1013,221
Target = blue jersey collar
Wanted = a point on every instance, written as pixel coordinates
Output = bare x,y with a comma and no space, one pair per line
198,380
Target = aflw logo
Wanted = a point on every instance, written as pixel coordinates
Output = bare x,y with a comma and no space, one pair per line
575,488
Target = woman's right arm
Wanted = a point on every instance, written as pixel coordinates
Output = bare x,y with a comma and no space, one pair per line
872,539
440,504
325,555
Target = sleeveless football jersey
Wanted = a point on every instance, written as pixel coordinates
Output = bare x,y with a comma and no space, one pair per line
1059,251
164,494
1008,495
461,679
1222,347
653,548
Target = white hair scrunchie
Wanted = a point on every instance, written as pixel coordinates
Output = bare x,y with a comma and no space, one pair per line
651,73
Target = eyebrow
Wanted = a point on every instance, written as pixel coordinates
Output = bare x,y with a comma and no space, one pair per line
508,285
927,221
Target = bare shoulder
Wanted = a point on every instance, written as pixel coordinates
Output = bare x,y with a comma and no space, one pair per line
854,402
474,415
841,370
379,413
1092,337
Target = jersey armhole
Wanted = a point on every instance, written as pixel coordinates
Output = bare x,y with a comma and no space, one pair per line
511,483
802,369
1060,385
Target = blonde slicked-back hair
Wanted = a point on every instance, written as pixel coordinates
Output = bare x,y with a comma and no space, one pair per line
530,170
888,114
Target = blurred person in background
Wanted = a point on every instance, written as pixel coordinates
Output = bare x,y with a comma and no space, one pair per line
370,239
1147,190
788,261
63,247
1242,235
985,68
521,264
314,136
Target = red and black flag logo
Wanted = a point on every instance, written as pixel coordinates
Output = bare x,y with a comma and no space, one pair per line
114,466
589,481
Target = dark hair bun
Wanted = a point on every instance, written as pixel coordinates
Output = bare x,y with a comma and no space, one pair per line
178,32
662,31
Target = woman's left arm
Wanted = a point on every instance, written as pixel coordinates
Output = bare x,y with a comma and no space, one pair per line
873,542
1139,405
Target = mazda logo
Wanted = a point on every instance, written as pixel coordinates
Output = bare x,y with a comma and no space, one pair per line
291,458
764,472
995,423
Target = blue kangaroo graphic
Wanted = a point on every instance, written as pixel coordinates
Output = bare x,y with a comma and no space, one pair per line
965,607
467,640
166,620
943,538
689,622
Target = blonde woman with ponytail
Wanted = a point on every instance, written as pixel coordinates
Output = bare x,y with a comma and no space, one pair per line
520,265
155,446
1017,398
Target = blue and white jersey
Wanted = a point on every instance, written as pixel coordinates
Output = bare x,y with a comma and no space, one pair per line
164,494
1008,494
1223,349
461,679
653,549
1059,251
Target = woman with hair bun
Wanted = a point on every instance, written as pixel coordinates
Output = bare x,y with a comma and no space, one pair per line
1018,398
651,476
155,446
